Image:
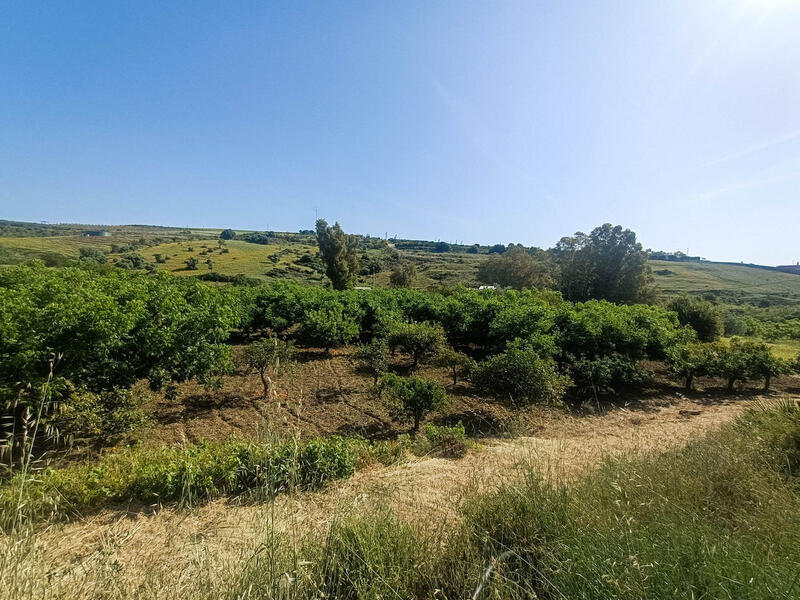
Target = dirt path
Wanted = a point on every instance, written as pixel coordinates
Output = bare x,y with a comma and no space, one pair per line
171,541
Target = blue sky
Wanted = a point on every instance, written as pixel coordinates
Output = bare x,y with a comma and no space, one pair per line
470,121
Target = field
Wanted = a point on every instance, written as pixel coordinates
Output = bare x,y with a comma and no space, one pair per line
731,282
260,440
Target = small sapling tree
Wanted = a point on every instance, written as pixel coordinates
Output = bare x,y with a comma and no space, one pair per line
458,363
420,340
373,358
269,357
413,397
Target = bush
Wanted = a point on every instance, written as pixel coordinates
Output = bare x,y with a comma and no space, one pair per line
459,364
420,340
373,357
103,416
604,375
227,234
413,397
93,256
328,328
519,376
701,315
132,261
687,361
402,276
441,247
185,474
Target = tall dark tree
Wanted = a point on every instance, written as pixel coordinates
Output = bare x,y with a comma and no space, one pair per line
607,264
339,251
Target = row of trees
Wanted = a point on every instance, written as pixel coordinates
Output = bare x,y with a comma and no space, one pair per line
608,263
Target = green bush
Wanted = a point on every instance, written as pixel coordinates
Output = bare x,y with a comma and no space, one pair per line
413,397
328,328
701,315
373,358
104,415
187,475
421,341
519,376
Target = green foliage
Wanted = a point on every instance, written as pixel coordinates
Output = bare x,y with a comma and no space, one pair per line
517,269
93,256
421,341
607,264
403,275
339,251
132,261
702,316
185,474
328,328
497,249
269,357
519,376
104,415
413,397
441,247
227,234
191,263
373,357
688,361
106,330
607,374
460,364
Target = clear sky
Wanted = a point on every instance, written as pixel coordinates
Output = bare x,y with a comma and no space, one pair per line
470,121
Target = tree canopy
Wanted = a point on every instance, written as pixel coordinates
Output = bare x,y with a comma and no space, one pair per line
339,251
608,264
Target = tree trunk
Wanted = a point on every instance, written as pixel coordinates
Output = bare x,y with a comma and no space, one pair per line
264,382
689,381
731,381
455,375
416,423
767,381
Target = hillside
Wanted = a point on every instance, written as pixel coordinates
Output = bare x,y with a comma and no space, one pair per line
290,256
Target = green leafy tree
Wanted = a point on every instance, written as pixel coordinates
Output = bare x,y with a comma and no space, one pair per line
403,275
339,251
497,249
373,357
328,328
516,268
765,365
688,361
474,249
701,315
413,397
421,341
607,264
459,364
269,357
227,234
519,376
735,362
191,263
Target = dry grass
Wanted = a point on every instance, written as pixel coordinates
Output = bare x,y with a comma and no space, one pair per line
161,550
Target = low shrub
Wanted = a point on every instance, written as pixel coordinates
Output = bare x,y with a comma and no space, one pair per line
519,376
184,474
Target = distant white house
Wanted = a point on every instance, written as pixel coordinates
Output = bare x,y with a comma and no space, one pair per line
363,287
487,287
96,233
